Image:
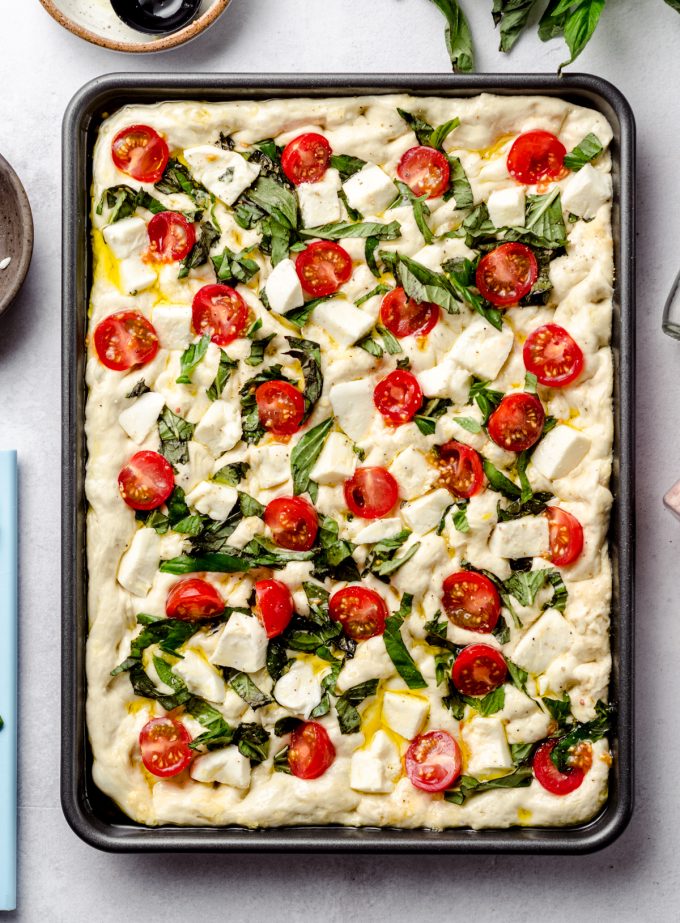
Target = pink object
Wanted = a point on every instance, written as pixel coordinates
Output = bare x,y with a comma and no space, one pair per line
672,499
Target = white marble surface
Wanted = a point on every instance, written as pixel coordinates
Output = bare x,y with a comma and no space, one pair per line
61,879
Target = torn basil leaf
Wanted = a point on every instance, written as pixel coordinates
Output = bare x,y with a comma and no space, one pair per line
123,201
346,165
175,434
512,16
468,785
232,268
177,178
349,718
499,482
338,230
420,209
305,453
308,354
397,650
459,189
430,412
243,685
224,370
191,356
231,474
200,252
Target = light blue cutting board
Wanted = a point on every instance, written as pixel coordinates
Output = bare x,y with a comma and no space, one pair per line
8,680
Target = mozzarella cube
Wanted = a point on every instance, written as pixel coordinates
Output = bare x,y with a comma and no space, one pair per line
224,173
436,381
585,191
246,531
212,499
228,767
343,320
242,644
547,638
487,747
219,428
482,349
200,677
424,514
404,713
526,537
372,769
482,511
507,207
560,451
283,288
377,530
415,576
172,323
371,661
139,564
127,237
336,462
138,418
298,690
526,723
135,275
370,190
198,469
352,403
319,202
413,473
271,465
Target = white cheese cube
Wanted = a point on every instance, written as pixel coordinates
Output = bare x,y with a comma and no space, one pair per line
298,690
370,190
198,469
343,320
482,511
377,530
220,427
560,451
172,323
352,403
224,173
200,677
487,746
435,381
246,531
372,769
283,288
139,564
271,465
135,275
336,462
482,349
371,661
550,636
424,514
404,713
585,191
415,576
242,644
138,418
212,499
319,202
507,207
526,537
413,473
228,767
127,237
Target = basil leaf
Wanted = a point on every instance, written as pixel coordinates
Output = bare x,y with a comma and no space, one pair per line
390,342
587,150
300,316
369,255
258,349
459,185
243,685
252,741
370,346
306,452
339,230
560,709
491,703
140,388
175,434
512,16
460,520
144,687
593,730
422,129
499,482
224,370
579,25
384,550
469,424
249,506
348,716
123,201
218,563
560,594
396,649
308,354
281,763
468,786
276,200
346,166
191,356
390,567
232,268
420,209
518,676
422,284
378,290
535,505
458,36
441,133
525,586
169,634
177,178
200,252
544,222
426,420
277,661
231,474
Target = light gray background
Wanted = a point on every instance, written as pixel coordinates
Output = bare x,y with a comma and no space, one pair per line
62,879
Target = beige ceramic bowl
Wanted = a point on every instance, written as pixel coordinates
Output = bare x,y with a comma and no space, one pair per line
95,21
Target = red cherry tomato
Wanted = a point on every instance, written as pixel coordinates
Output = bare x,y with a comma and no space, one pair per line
192,599
323,267
505,275
371,492
310,751
171,237
566,536
460,469
553,356
536,157
517,422
398,397
280,407
471,601
360,611
140,152
293,522
125,339
433,761
478,670
550,777
425,171
164,743
305,159
273,606
405,317
220,311
146,481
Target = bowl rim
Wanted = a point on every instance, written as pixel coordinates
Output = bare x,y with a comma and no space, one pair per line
191,30
26,223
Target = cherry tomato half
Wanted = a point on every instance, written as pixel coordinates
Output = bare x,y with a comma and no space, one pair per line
220,311
505,275
146,481
192,599
273,606
566,536
553,356
398,396
310,751
479,669
164,743
125,339
280,407
433,761
371,492
361,612
305,159
425,171
171,237
140,152
471,601
405,317
323,267
550,777
460,469
293,522
517,423
536,157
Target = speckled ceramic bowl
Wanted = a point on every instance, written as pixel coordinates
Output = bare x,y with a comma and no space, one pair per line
95,21
16,234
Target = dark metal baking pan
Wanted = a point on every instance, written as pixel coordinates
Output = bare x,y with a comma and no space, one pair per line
92,815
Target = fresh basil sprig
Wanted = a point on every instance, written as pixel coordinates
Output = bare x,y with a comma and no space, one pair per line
191,356
587,150
305,453
396,649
